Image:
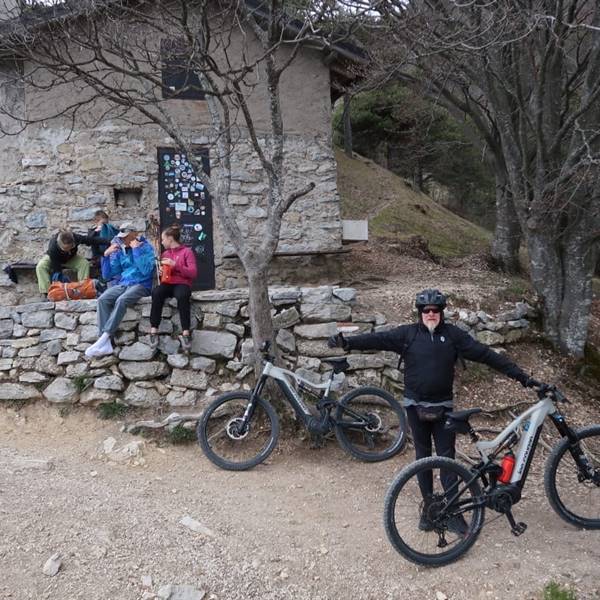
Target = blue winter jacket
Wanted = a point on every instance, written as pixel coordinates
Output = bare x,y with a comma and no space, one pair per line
130,266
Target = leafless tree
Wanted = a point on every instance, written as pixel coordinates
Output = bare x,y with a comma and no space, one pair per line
526,78
110,50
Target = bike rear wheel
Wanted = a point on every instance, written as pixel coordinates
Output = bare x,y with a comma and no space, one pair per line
574,492
438,531
222,437
370,424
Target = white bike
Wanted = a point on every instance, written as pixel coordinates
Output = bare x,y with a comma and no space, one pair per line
239,430
437,528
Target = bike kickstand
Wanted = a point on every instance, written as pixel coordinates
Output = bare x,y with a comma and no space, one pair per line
516,528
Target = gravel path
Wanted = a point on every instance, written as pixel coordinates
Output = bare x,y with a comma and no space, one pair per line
306,525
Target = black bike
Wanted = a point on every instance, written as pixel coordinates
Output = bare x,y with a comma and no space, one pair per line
436,529
239,430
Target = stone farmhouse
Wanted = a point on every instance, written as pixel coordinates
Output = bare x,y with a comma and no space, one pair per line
59,172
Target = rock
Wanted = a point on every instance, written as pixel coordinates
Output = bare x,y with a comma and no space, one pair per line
182,398
137,351
61,391
33,377
72,339
54,348
52,565
167,345
41,319
238,330
284,296
178,361
6,312
490,338
316,295
468,317
6,328
212,321
88,333
322,313
66,358
514,335
65,321
146,581
483,316
286,341
49,335
76,306
96,396
136,395
142,370
440,596
319,331
201,363
308,362
18,330
124,337
518,324
393,374
109,382
77,370
221,295
317,348
286,318
33,351
491,325
196,526
25,342
47,364
34,307
345,294
180,592
214,343
365,361
234,365
196,380
104,361
511,315
129,453
6,364
16,391
247,352
244,372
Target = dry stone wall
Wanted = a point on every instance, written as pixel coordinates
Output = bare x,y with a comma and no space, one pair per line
42,347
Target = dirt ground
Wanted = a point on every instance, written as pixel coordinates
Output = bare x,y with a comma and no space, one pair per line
307,524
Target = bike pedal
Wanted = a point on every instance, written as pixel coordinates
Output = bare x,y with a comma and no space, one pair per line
519,529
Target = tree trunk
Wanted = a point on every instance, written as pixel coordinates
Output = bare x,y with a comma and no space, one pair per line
507,235
261,323
347,126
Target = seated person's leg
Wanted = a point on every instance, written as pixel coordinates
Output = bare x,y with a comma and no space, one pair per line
105,306
80,265
183,294
129,297
42,271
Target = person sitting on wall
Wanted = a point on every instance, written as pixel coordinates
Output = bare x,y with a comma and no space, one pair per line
102,229
178,271
129,262
62,253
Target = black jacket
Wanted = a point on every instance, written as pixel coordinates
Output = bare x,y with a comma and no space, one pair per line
59,257
429,358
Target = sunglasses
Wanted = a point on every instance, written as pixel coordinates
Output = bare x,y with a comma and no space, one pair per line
435,311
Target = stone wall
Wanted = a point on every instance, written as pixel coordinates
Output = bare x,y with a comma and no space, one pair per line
42,346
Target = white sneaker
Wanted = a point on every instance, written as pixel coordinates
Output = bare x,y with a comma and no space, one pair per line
96,349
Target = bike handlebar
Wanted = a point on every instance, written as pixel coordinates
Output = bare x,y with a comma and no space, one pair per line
552,391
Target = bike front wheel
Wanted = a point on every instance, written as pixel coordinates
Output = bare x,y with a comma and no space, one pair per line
433,511
572,479
228,440
370,424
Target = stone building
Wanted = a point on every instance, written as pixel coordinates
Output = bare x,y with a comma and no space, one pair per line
59,172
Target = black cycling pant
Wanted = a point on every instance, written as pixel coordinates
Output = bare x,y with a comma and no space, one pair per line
423,432
163,291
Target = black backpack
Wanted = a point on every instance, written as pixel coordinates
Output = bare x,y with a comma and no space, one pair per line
410,338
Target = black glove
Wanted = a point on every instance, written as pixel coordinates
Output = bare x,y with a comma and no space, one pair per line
530,382
336,341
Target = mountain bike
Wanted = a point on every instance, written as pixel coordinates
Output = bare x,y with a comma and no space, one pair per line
436,529
239,430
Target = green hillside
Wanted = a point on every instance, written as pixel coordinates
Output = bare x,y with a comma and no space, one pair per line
395,211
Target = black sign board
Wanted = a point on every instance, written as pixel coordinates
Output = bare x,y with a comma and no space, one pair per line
183,200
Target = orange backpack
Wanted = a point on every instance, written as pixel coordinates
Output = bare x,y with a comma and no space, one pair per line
75,290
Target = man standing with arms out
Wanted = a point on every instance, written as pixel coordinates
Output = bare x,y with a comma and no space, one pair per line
430,349
129,262
62,253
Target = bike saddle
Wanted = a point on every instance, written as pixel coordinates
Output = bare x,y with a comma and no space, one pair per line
340,365
463,415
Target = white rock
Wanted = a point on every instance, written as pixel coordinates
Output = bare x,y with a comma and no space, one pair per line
52,565
196,526
61,390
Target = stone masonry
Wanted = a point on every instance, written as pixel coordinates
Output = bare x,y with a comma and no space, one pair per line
42,345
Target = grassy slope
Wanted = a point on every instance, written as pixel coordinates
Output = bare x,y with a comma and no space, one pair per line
396,211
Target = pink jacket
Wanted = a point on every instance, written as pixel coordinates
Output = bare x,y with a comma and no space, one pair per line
185,270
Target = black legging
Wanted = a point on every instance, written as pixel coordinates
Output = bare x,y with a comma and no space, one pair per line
422,432
181,292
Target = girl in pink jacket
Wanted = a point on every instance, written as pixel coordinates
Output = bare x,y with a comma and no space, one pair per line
179,262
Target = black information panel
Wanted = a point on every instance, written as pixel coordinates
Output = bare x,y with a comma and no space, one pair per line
183,200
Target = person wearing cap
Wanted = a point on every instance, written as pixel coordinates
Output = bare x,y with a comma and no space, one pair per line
62,253
430,349
128,262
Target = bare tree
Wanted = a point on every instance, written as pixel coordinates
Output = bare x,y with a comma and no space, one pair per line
527,75
106,57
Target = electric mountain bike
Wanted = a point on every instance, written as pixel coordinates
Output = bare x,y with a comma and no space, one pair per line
240,429
437,528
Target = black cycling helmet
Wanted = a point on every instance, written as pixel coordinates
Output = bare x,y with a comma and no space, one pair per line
430,297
